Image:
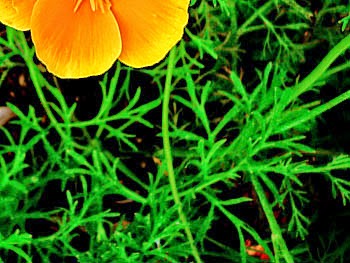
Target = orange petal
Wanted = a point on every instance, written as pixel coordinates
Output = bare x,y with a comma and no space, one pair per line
149,28
16,13
74,44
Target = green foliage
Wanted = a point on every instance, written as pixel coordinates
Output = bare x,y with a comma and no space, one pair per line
233,116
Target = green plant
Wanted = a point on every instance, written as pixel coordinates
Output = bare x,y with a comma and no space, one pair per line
185,161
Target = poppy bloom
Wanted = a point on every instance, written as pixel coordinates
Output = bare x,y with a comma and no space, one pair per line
81,38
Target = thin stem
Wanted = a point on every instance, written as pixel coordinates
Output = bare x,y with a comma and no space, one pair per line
37,78
321,68
278,242
315,112
336,69
244,28
168,155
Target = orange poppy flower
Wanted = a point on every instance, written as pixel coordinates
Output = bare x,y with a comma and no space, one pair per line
81,38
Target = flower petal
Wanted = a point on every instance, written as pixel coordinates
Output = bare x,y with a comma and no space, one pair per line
16,13
149,28
74,44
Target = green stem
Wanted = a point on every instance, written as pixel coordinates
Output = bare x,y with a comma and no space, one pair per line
37,78
244,28
168,155
321,68
278,242
336,69
314,113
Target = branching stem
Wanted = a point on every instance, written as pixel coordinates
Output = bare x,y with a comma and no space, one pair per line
168,155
